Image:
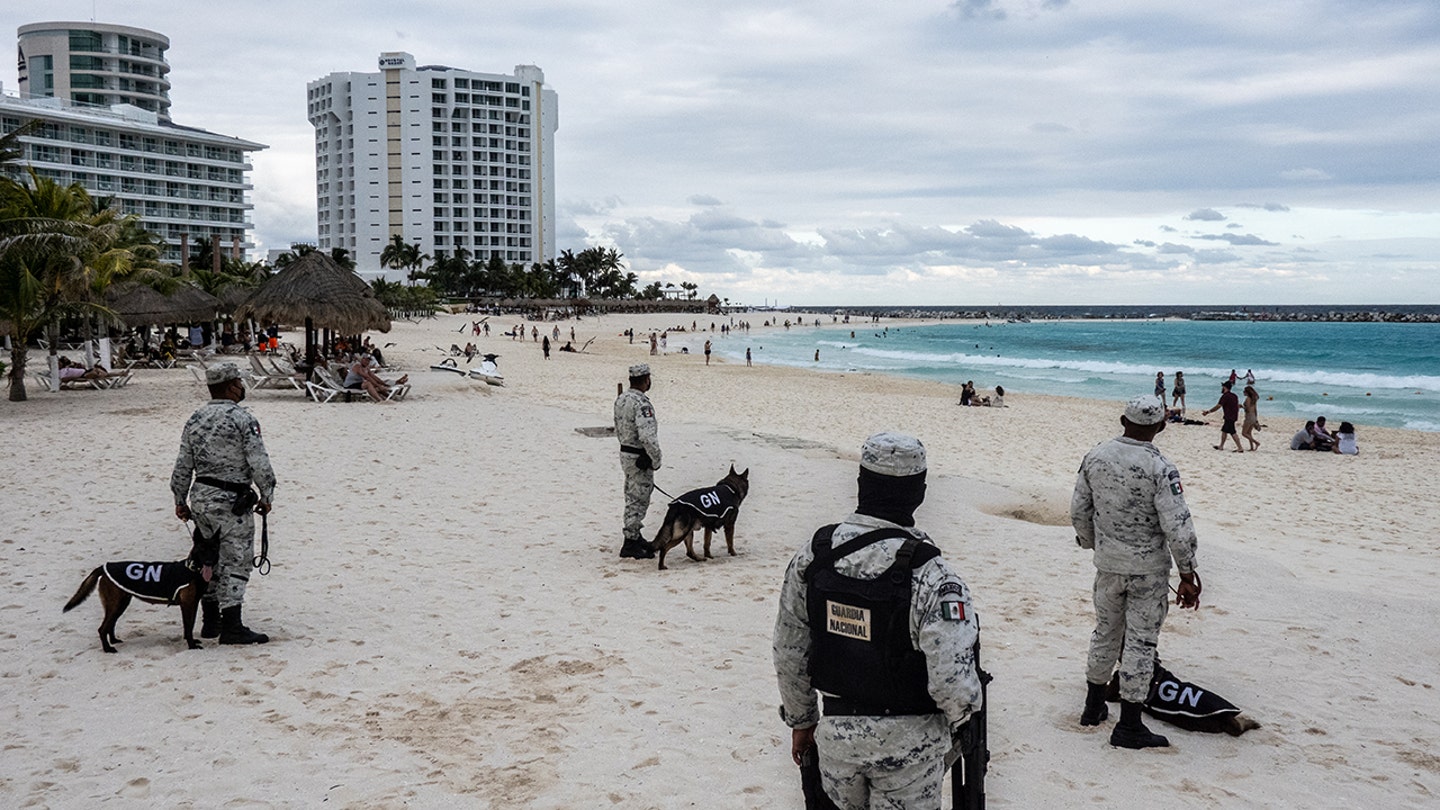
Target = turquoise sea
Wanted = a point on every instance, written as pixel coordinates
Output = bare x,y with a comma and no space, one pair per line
1385,374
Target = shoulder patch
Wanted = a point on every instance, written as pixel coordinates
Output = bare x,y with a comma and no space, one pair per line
953,611
949,589
647,412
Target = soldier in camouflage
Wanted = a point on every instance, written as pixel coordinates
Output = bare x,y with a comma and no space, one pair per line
879,751
1129,506
639,457
221,455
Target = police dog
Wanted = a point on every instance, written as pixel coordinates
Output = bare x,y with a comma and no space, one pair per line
162,583
709,508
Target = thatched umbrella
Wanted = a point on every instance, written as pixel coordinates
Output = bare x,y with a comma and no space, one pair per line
316,290
141,305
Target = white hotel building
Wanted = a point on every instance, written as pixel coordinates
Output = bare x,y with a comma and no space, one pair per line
449,158
102,94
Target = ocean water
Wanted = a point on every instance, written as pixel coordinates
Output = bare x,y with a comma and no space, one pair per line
1385,374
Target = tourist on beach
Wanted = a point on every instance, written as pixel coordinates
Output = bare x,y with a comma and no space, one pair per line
1304,438
707,352
1345,440
545,344
1249,377
1324,439
1129,506
639,437
967,392
1251,424
1177,397
1229,404
221,457
1160,387
747,355
654,344
896,665
997,401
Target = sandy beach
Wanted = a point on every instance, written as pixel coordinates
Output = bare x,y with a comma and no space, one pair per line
451,626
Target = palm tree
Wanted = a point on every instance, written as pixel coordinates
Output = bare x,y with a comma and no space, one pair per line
57,256
11,149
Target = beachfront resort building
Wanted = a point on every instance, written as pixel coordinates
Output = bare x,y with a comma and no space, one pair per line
101,93
449,158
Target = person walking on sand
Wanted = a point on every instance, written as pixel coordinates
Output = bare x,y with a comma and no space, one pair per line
1229,405
1177,397
1160,387
747,355
707,352
1251,406
1129,507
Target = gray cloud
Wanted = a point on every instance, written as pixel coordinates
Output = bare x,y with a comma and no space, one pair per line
704,199
1237,239
1205,215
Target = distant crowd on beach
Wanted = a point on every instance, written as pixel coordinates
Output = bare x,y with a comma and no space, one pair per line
1314,436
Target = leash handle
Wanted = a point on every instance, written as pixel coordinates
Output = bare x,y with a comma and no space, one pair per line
262,562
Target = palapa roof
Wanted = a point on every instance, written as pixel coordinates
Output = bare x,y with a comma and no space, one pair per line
141,305
314,286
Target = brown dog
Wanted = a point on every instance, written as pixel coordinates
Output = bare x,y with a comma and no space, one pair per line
162,583
709,508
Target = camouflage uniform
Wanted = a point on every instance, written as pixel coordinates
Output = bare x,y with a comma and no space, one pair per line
635,427
1129,506
222,440
876,761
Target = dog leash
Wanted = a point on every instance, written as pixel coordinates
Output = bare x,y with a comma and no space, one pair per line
661,491
262,562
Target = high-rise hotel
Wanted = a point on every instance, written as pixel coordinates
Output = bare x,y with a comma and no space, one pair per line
449,158
102,94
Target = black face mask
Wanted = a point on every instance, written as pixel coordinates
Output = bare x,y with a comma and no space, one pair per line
892,498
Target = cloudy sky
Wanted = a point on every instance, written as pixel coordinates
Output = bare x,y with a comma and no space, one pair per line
973,152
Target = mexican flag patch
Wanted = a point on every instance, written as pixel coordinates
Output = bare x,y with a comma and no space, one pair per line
952,611
1176,489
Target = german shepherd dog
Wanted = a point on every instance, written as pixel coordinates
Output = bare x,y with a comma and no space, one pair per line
709,508
162,583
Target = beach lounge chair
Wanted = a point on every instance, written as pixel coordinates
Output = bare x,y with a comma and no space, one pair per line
328,386
262,377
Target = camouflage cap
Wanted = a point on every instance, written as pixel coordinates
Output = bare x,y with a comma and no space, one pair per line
1144,410
893,454
223,373
640,370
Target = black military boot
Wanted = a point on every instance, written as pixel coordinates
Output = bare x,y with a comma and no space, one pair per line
1095,709
637,549
1129,732
233,631
209,619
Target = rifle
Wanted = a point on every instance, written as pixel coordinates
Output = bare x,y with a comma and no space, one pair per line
815,796
967,774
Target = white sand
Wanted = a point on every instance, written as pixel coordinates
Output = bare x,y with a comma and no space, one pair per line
452,627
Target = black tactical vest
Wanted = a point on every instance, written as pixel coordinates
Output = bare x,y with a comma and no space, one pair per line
861,628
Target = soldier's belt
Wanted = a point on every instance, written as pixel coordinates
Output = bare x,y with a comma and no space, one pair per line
841,707
228,486
639,451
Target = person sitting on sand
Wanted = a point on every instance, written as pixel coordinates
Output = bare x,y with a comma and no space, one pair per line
1324,439
1304,438
997,401
568,347
1345,440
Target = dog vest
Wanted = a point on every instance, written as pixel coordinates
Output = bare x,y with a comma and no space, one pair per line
1182,703
161,581
860,629
712,505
